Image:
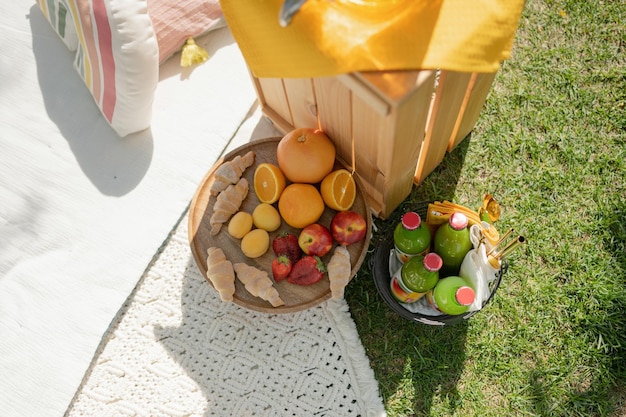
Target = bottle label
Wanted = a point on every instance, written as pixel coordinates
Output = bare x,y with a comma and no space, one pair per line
401,292
403,257
430,298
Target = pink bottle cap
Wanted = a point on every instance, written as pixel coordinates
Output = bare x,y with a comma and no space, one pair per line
411,220
433,262
465,296
458,221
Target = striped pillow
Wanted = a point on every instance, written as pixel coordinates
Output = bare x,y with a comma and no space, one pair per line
117,56
119,45
57,13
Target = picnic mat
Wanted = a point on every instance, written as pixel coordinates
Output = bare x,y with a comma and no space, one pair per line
175,349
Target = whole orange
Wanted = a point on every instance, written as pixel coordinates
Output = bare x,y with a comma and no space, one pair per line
300,205
305,155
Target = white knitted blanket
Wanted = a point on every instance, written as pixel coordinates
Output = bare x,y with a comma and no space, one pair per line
175,349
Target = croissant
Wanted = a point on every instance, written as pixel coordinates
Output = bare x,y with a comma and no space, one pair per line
258,283
221,273
339,269
227,204
229,172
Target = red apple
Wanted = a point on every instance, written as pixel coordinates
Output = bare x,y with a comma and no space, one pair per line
348,227
315,239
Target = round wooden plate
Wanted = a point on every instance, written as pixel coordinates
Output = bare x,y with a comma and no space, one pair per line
296,297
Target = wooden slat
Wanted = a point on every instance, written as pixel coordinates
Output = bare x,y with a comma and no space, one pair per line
442,118
274,97
461,112
369,129
399,153
393,86
301,100
333,106
389,142
366,93
478,96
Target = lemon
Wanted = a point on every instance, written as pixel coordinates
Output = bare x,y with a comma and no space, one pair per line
255,243
266,217
240,224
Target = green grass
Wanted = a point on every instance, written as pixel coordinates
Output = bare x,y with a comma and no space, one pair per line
551,146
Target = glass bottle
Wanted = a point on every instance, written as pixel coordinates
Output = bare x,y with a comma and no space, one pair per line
416,277
452,242
411,237
452,295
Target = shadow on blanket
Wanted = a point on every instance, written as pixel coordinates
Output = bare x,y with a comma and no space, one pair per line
115,166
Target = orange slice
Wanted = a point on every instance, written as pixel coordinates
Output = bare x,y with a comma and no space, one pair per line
269,182
338,190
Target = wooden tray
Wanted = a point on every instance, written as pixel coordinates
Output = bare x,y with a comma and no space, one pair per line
296,297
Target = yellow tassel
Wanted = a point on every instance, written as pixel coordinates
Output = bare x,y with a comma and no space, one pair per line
192,54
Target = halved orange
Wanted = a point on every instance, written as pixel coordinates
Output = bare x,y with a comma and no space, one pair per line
269,182
338,190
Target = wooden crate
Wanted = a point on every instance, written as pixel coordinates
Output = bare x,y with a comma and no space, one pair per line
394,127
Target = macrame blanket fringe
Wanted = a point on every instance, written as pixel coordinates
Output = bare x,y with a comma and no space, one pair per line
371,401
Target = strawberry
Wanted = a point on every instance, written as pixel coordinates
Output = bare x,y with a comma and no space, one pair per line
307,271
287,244
281,267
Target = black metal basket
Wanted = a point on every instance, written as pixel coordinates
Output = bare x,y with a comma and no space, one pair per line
379,265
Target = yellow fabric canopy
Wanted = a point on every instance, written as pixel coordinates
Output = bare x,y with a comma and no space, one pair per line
329,37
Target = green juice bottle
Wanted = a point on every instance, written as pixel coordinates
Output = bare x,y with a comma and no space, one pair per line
417,276
452,295
452,242
411,237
